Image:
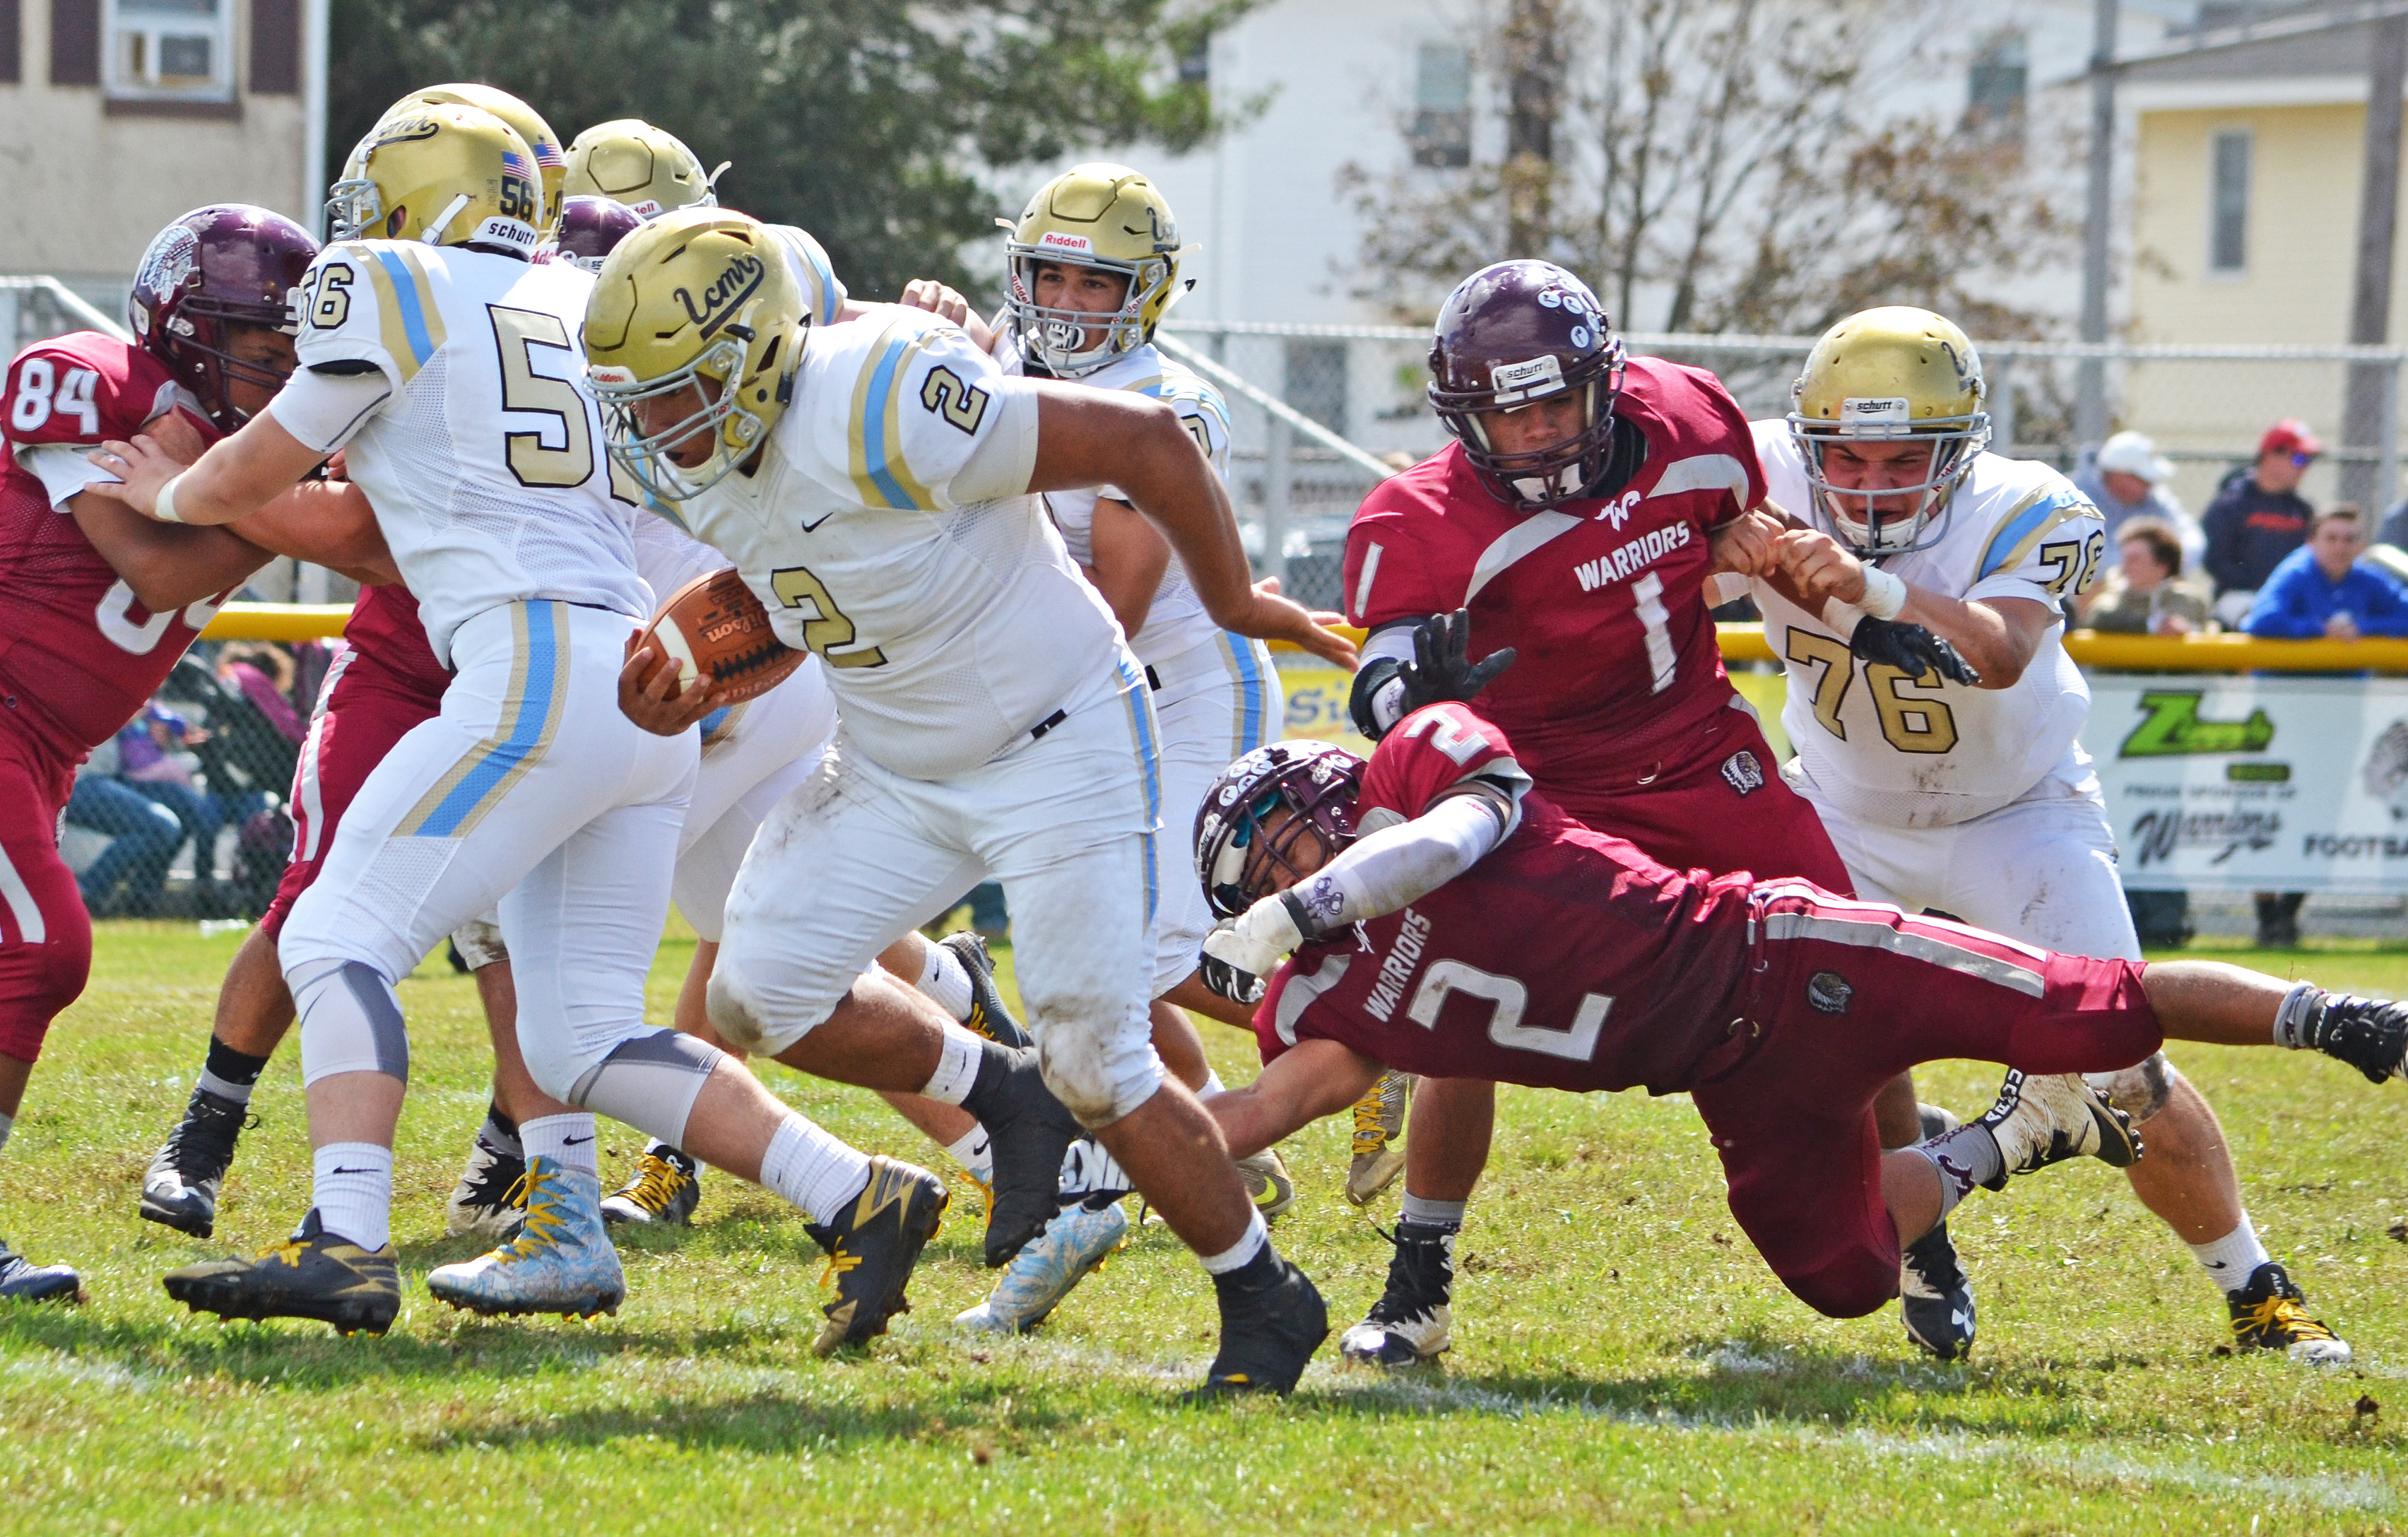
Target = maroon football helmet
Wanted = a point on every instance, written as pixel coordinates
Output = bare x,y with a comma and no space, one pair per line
219,266
1312,778
589,227
1512,333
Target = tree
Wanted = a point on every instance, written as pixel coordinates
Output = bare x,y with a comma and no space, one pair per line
873,124
1719,166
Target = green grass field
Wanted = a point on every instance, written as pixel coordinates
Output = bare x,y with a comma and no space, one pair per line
1622,1358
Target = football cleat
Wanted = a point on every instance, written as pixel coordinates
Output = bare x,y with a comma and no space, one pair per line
1379,1138
1027,1133
561,1261
1267,1181
312,1275
180,1188
491,1198
988,1016
1934,1298
2271,1314
2371,1034
2041,1120
1072,1246
23,1281
665,1189
1268,1332
872,1244
1411,1321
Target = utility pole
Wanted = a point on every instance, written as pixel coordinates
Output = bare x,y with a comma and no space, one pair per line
2091,393
2378,221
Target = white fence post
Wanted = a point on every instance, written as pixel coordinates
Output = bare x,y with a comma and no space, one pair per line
1278,484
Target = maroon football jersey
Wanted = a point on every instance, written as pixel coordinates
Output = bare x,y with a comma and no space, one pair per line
1565,960
1601,599
80,654
385,629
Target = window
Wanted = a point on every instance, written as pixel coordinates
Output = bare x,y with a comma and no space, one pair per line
1316,381
2228,220
1196,60
1994,87
170,48
1442,105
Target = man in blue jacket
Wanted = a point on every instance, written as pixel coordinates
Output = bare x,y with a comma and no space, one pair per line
2322,589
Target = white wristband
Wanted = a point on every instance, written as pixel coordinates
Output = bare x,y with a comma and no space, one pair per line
1841,617
165,508
1885,594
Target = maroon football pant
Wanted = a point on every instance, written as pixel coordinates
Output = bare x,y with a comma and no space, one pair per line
1848,994
45,933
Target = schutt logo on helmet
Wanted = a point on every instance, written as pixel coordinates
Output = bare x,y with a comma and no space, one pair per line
1513,334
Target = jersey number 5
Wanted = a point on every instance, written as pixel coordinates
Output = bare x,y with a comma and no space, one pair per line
517,333
1912,723
825,630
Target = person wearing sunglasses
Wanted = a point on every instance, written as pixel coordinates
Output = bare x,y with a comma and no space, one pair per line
2258,517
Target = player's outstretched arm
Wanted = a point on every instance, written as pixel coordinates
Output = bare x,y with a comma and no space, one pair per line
1089,438
1998,637
166,567
238,477
2233,1006
326,522
1310,1080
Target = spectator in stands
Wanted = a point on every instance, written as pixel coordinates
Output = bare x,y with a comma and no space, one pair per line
2127,478
2258,517
2147,594
265,674
143,836
155,762
2325,589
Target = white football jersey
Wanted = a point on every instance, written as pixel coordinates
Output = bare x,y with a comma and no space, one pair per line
949,632
485,464
1176,621
824,292
1885,749
667,556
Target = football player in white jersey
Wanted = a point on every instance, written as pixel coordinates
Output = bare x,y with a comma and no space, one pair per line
869,480
1974,800
446,365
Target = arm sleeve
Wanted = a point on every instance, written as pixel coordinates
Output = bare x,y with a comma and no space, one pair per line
920,403
325,410
1382,871
63,469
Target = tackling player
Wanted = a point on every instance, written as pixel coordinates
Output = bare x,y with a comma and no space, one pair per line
99,604
1450,920
1577,514
1975,800
868,481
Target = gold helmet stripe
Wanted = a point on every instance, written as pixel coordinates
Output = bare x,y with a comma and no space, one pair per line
881,473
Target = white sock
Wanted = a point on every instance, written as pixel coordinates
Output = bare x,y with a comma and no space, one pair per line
812,1170
567,1139
974,1153
2292,1017
957,1066
2233,1258
354,1191
1965,1157
1432,1213
1239,1255
8,1124
946,980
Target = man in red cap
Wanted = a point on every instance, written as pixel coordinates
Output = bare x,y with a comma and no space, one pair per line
2258,517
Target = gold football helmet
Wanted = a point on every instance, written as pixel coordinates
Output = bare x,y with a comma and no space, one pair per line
1098,215
550,159
1889,374
650,170
443,175
699,303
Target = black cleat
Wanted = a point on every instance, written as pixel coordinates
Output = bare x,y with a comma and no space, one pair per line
988,1016
664,1190
1269,1331
180,1188
312,1275
23,1281
2272,1313
2371,1034
1935,1300
1411,1321
872,1244
1027,1133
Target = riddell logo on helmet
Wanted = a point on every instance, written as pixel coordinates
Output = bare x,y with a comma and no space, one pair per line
1056,240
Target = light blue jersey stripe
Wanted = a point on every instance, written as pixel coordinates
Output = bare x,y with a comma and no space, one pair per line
545,664
404,294
873,428
1136,695
2004,542
1251,693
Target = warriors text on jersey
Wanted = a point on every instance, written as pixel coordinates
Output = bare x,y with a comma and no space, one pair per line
951,625
484,457
79,651
1881,747
1176,621
1600,597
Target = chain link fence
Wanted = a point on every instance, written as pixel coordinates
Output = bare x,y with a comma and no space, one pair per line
2204,405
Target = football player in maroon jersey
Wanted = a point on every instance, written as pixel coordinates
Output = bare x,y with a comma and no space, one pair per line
97,602
1448,919
1586,499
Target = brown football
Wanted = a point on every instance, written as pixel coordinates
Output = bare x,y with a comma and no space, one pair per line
714,625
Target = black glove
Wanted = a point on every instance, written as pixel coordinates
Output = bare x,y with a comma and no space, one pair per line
1910,647
1440,671
1229,983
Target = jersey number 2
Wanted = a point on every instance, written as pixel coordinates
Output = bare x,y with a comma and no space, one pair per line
1507,998
825,630
963,405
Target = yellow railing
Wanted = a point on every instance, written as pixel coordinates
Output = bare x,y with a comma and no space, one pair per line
1740,643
